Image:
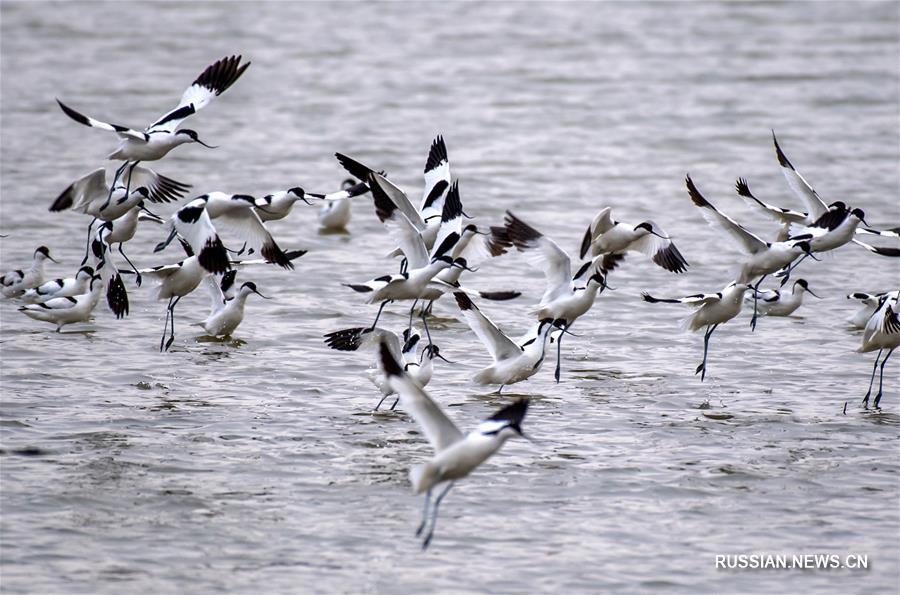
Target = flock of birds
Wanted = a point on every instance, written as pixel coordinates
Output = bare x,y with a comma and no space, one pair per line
437,244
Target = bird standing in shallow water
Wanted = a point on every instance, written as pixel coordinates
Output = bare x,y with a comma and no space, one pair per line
882,332
15,283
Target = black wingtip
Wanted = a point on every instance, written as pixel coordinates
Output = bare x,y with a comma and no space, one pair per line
220,75
514,413
213,257
743,188
273,254
346,339
388,363
499,242
500,296
520,233
81,119
384,206
463,301
452,204
586,242
117,297
649,298
695,195
63,201
436,154
353,167
782,158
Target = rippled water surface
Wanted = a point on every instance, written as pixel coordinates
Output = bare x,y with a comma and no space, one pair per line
257,465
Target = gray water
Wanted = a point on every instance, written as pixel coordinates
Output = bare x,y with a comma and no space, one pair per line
257,465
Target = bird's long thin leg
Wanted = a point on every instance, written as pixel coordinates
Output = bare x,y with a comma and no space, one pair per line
380,308
383,397
128,183
113,185
172,336
87,247
559,352
881,376
137,275
871,380
702,367
427,332
434,513
755,300
411,310
166,327
394,406
424,513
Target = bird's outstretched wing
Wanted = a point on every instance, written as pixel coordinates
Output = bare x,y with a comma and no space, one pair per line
213,81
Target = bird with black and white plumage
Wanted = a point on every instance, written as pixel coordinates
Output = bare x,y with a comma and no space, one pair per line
90,194
192,223
335,212
514,360
226,310
426,219
100,250
882,332
713,309
564,299
763,258
156,140
404,348
55,288
783,216
123,229
456,454
237,212
605,235
176,280
69,309
15,283
421,267
471,247
870,302
774,302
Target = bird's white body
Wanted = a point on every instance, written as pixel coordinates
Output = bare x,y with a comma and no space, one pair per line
411,285
455,454
225,318
824,240
882,330
776,256
177,280
66,310
155,147
607,236
70,286
773,302
279,205
16,283
335,214
570,306
514,361
456,461
717,308
869,305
